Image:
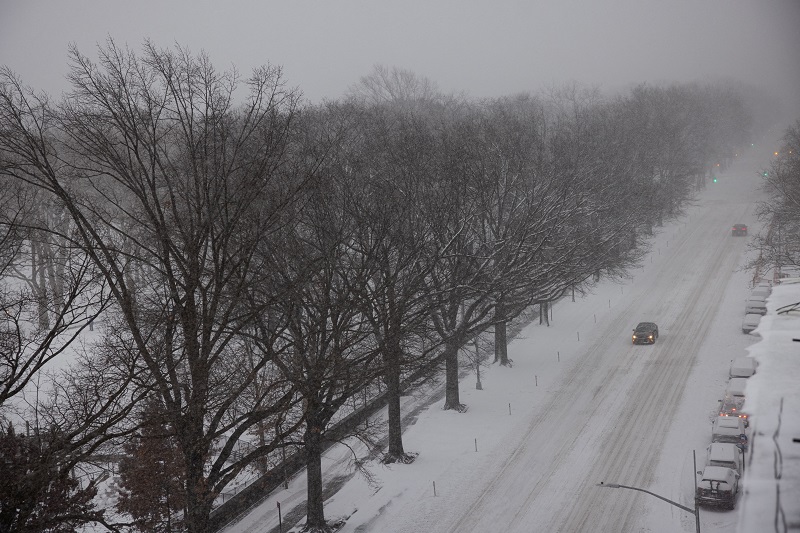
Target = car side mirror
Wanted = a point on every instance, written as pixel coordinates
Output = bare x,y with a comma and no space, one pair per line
700,472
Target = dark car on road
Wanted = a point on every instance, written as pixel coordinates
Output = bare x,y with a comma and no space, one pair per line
739,230
718,487
645,333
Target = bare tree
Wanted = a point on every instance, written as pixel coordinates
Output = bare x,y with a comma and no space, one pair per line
172,189
330,354
779,245
395,86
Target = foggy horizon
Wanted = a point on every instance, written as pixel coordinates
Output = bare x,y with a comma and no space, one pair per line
480,49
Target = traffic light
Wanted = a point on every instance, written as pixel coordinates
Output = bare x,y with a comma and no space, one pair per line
715,179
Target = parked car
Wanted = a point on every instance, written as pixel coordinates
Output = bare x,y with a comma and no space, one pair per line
743,367
739,230
736,387
718,487
725,454
750,322
729,429
756,305
761,290
731,405
645,333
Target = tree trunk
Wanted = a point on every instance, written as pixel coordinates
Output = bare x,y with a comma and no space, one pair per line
393,355
314,506
500,335
452,400
198,500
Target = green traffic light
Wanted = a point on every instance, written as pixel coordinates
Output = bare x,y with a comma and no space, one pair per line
715,180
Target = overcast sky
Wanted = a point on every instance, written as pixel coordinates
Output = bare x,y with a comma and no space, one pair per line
483,48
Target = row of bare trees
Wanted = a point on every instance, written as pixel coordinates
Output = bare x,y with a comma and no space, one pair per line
779,245
255,262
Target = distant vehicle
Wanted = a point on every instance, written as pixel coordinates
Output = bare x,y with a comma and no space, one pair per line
739,230
645,333
736,387
726,455
750,322
756,305
718,487
731,405
729,429
762,290
743,367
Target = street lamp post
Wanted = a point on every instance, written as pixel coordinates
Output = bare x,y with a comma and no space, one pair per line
695,511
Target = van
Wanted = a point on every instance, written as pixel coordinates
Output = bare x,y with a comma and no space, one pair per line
743,367
725,454
729,429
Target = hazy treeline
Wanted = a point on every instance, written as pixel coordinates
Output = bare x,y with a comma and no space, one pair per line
192,260
779,245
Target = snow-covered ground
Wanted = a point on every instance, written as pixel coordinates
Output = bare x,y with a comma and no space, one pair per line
581,406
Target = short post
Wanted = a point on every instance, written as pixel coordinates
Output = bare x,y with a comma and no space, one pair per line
434,489
559,356
536,380
509,408
280,518
697,507
476,445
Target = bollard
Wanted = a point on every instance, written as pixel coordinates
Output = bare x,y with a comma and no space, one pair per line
434,489
476,445
509,408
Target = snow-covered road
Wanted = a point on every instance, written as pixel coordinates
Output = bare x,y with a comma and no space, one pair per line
581,404
608,418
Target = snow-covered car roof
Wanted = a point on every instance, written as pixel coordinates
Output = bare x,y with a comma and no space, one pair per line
736,387
728,423
751,319
743,367
723,451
